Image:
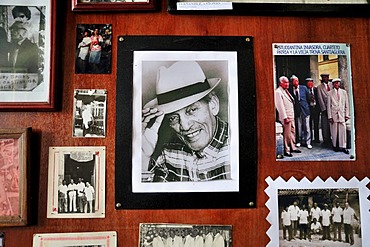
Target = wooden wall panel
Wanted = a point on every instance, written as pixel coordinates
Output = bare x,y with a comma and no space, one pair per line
250,226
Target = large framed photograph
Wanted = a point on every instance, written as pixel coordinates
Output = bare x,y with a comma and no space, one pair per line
113,5
315,115
14,176
76,182
27,55
82,239
157,234
185,122
272,7
318,213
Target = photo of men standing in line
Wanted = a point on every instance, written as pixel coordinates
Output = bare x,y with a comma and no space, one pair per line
319,217
313,102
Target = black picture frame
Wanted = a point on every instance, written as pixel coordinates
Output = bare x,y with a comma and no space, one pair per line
278,9
87,6
245,197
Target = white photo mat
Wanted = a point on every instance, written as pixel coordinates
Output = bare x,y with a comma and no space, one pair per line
56,175
165,58
106,239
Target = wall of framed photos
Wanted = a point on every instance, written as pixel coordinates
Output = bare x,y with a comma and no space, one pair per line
249,225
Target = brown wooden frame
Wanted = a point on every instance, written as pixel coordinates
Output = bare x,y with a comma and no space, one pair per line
114,6
51,68
23,136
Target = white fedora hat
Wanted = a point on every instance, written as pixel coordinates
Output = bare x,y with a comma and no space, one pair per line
180,85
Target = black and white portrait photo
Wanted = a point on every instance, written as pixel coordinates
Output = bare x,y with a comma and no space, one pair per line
318,213
24,51
187,99
185,235
89,113
76,182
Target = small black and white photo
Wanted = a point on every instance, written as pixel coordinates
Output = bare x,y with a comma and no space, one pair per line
328,217
318,214
187,99
89,113
185,235
76,182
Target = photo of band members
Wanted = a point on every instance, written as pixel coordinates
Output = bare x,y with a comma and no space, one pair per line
314,114
319,217
178,235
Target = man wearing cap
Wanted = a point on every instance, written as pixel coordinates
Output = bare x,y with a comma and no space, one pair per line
314,110
24,57
186,102
338,114
323,91
284,104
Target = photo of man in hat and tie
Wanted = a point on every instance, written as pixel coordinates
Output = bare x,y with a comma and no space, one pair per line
198,147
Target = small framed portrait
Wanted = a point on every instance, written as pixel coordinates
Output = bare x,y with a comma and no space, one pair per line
113,5
27,55
76,182
89,110
93,49
185,135
315,115
157,234
81,239
318,213
14,176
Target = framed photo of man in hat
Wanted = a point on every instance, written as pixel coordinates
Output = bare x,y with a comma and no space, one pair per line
185,123
27,55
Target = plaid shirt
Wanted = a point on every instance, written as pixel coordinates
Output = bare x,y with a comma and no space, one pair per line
177,162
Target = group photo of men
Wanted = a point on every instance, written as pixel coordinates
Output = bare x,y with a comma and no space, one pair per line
167,235
319,217
313,112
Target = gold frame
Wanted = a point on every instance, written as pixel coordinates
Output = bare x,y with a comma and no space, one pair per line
22,135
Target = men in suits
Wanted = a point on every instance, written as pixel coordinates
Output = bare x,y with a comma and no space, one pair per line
338,114
294,91
301,96
284,104
323,91
314,110
24,56
158,240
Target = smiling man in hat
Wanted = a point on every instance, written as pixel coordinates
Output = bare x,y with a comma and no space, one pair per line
187,104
